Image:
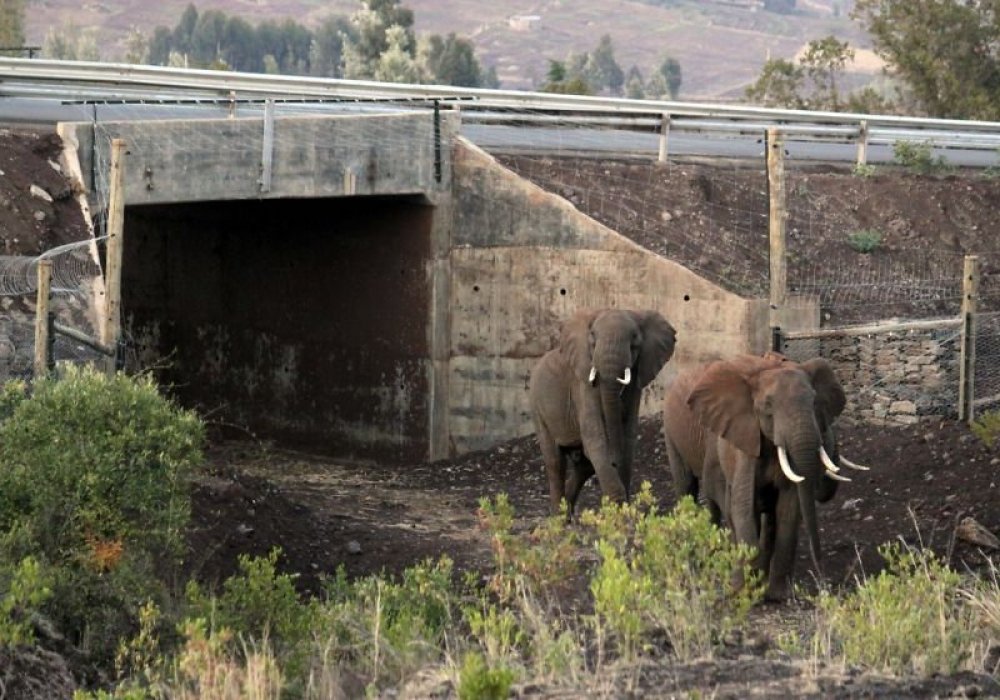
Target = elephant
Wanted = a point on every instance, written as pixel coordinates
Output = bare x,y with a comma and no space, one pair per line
584,396
754,435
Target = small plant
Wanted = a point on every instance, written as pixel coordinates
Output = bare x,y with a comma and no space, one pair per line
918,157
478,680
864,170
987,428
865,240
909,618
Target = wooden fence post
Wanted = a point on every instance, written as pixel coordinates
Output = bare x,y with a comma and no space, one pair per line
42,327
776,224
967,362
664,138
113,274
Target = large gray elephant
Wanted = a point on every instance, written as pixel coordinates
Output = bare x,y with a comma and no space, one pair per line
585,395
754,435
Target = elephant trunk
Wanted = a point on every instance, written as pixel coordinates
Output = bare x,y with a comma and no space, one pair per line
805,457
614,428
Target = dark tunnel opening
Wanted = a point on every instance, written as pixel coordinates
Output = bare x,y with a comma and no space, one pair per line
303,320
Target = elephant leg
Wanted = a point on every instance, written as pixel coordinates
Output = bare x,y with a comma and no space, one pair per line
555,467
685,482
579,472
742,506
786,538
765,549
607,474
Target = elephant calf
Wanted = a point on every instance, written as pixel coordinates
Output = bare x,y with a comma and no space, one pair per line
585,393
754,436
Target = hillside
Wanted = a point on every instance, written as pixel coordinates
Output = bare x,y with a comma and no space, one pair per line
721,47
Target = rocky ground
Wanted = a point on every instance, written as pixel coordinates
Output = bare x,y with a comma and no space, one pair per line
926,479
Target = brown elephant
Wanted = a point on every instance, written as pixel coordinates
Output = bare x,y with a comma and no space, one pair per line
754,436
585,393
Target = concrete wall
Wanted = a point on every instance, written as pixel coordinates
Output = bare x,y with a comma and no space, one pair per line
223,159
523,260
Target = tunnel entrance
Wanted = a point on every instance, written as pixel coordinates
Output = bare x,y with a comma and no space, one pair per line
303,320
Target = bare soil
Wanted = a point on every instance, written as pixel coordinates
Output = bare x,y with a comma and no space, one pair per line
253,496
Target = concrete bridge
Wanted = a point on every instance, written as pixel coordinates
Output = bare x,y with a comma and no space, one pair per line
374,286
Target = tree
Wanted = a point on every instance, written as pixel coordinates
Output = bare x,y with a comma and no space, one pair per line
396,64
780,85
633,84
559,80
602,70
326,52
823,60
12,23
70,43
372,22
450,60
944,51
136,46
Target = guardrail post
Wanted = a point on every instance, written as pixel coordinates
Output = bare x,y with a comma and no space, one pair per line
777,215
863,142
42,322
664,137
967,362
111,329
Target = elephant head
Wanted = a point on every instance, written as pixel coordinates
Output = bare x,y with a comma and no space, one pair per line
772,409
614,353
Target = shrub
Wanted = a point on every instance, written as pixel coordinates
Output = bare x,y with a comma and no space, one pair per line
94,484
545,558
23,589
864,170
865,240
480,681
909,618
672,573
987,427
917,157
385,629
260,604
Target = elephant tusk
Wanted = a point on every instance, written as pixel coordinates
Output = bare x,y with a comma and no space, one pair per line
836,477
853,465
827,462
786,468
593,376
627,379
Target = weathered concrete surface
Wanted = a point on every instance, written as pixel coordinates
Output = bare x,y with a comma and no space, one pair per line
525,259
223,159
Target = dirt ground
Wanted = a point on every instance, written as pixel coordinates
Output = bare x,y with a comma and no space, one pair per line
924,480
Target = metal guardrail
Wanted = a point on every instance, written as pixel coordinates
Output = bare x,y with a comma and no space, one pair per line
77,80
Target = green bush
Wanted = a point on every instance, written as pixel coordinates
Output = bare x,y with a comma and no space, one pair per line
23,589
673,573
94,483
384,628
259,603
479,681
917,156
909,618
865,240
864,170
987,428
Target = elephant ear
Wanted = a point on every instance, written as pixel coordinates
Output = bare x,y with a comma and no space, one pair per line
574,342
658,338
722,401
830,397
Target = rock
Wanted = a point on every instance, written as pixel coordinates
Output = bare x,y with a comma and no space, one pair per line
38,192
55,166
354,547
32,672
39,216
244,529
666,216
971,531
851,504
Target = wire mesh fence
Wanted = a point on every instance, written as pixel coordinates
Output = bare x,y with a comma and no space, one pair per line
986,383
